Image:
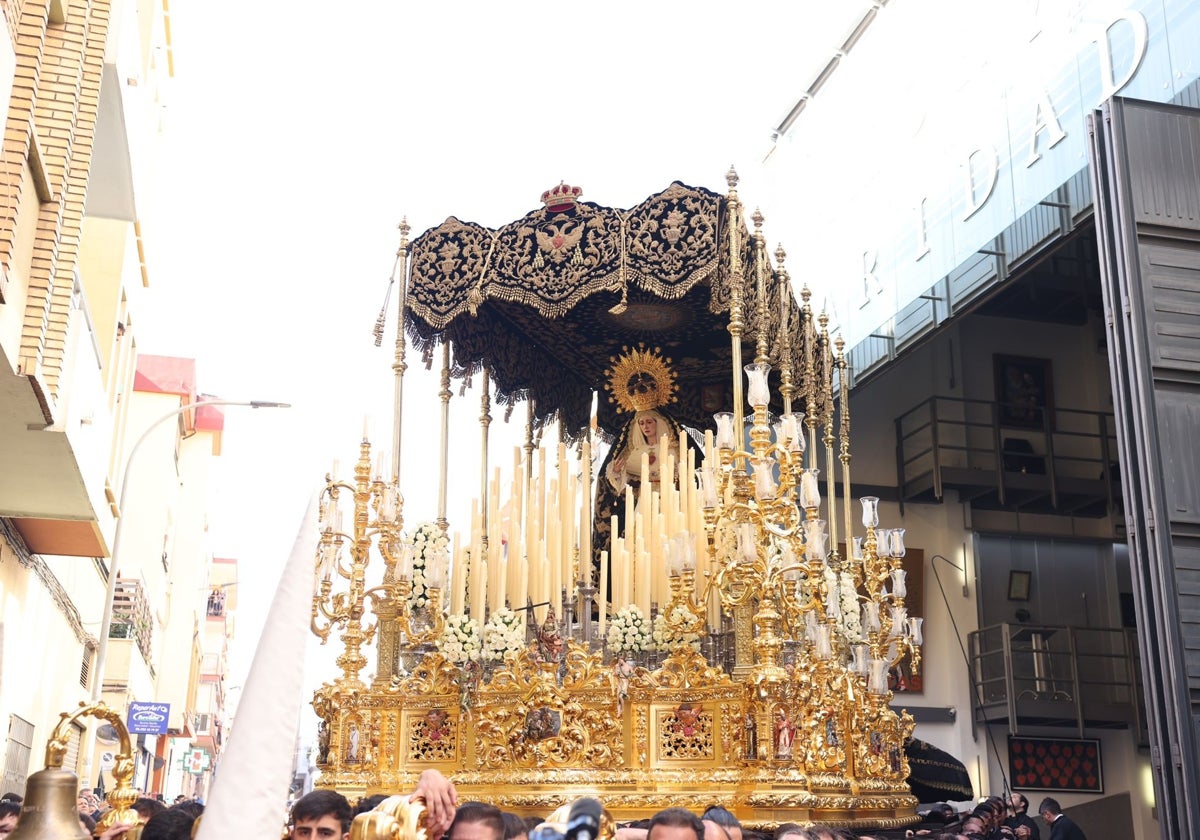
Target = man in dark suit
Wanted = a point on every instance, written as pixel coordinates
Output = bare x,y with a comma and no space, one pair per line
1020,819
1061,826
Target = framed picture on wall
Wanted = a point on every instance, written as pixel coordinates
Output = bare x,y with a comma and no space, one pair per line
1024,391
1018,585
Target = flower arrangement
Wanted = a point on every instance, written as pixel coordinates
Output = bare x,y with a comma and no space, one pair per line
630,631
503,634
460,641
667,636
426,539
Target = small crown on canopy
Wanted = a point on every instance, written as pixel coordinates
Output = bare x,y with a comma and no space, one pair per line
641,379
561,197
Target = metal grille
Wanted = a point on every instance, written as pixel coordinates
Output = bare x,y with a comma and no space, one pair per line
18,752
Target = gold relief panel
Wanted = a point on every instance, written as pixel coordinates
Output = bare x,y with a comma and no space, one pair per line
684,733
432,737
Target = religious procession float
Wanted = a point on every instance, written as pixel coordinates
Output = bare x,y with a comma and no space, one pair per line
703,615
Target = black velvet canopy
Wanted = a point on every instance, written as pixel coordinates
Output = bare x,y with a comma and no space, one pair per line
545,302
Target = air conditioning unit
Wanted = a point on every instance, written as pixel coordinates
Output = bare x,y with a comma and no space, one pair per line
203,724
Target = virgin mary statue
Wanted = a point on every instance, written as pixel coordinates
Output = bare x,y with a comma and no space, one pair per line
639,381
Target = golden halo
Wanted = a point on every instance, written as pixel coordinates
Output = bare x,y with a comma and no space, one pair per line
640,379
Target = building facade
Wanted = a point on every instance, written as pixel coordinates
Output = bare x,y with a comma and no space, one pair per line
955,176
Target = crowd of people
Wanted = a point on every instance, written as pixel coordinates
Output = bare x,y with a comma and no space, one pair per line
327,815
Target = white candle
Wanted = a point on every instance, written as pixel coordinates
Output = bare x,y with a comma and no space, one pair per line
602,586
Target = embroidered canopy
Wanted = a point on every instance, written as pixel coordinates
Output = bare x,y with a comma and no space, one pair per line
544,302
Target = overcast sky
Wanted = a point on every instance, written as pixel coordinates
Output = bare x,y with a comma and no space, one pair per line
299,134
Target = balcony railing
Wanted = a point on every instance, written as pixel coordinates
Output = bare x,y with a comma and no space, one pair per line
1065,463
1047,675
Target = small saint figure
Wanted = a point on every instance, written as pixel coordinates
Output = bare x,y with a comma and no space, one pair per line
549,638
785,733
435,724
352,751
622,671
751,737
687,719
322,742
831,734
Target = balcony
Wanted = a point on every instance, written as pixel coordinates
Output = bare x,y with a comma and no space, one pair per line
1057,676
1064,464
132,618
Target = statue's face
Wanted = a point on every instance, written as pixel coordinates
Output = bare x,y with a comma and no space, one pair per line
648,425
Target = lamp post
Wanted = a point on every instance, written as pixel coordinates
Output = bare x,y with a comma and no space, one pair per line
106,621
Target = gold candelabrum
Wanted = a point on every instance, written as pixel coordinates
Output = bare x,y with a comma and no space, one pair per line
788,718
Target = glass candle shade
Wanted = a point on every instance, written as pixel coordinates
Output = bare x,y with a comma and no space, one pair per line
883,542
816,539
707,478
724,421
832,599
435,569
810,489
796,443
915,631
757,392
896,543
870,616
899,587
765,486
860,659
870,511
822,647
899,622
405,566
877,677
856,549
747,545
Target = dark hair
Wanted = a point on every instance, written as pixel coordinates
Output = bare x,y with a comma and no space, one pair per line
169,824
1023,800
8,808
478,812
189,806
720,816
794,829
12,797
677,818
531,823
147,807
368,803
1050,804
514,826
322,803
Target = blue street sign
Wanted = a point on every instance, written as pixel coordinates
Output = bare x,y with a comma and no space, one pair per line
148,718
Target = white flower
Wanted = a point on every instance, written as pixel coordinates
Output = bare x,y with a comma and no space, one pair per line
504,633
459,641
667,637
629,631
426,539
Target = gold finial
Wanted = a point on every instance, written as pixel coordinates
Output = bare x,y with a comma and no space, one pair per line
823,320
404,228
757,218
805,294
640,379
731,177
780,256
839,343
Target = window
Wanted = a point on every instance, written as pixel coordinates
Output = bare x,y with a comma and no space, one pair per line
85,667
17,755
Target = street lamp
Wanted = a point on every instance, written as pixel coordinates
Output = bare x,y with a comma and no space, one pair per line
106,622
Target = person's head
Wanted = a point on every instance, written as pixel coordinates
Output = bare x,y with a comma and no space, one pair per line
321,815
169,824
190,806
514,827
180,798
10,812
1050,810
792,830
12,797
1019,803
675,824
147,808
83,805
477,821
368,803
730,828
822,832
973,825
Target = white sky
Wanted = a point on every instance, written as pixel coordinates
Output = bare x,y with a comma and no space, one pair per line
300,133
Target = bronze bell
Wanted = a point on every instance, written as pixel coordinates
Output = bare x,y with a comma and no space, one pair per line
49,812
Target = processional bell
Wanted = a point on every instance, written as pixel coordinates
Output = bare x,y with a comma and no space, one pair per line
49,810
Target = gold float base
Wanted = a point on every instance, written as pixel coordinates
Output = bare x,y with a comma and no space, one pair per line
759,797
